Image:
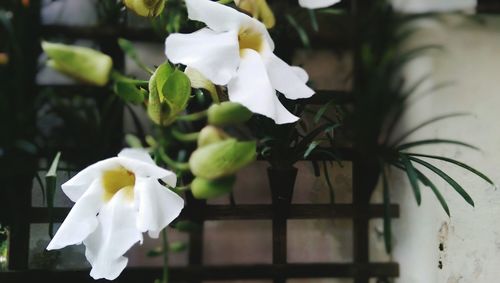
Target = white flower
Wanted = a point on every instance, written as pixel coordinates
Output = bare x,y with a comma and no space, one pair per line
316,4
236,50
117,199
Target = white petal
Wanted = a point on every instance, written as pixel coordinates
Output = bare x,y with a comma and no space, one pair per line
81,220
75,187
137,153
217,17
285,79
316,4
215,55
251,87
301,73
114,236
143,169
158,206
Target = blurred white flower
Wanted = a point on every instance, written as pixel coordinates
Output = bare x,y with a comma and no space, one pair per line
316,4
236,50
117,199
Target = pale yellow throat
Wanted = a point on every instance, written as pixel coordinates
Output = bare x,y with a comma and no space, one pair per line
117,179
249,38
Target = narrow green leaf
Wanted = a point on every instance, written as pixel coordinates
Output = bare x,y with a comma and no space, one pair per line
412,176
50,186
429,184
322,110
434,189
425,123
329,183
311,148
177,246
447,178
434,141
300,30
187,226
314,20
387,214
456,162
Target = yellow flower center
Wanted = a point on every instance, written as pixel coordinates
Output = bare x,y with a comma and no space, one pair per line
117,179
251,39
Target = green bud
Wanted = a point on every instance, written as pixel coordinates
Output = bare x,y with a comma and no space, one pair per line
198,80
205,189
222,158
211,134
82,63
169,92
145,8
228,113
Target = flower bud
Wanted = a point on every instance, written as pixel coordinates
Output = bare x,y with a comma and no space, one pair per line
4,58
198,80
228,113
259,9
169,92
205,189
145,8
211,134
82,63
222,158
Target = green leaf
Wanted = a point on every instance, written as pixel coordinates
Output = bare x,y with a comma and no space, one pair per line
158,251
434,189
314,20
447,178
458,163
310,148
187,226
387,214
50,186
322,110
129,92
300,30
425,123
177,246
412,176
434,141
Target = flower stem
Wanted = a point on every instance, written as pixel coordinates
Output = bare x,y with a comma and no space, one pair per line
181,166
115,75
165,255
193,116
185,137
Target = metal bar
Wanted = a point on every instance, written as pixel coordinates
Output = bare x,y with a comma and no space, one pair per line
249,212
228,272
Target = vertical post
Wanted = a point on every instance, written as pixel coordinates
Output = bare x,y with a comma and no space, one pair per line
196,207
282,182
365,167
27,26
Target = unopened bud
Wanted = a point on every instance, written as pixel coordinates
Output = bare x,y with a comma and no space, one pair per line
211,134
145,8
259,9
82,63
222,158
228,113
206,189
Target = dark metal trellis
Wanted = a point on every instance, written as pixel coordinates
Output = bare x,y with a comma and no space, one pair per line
360,211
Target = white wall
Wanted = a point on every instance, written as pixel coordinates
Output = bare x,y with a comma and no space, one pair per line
471,237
